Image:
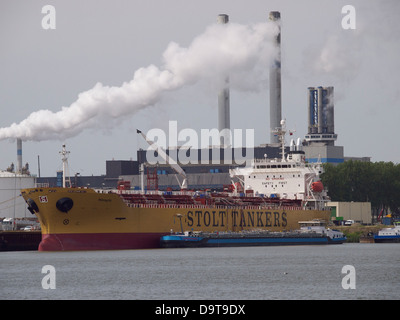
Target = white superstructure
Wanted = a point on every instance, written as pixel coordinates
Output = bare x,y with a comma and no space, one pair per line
289,177
318,226
395,231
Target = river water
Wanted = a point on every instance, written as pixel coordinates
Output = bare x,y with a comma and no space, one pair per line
287,272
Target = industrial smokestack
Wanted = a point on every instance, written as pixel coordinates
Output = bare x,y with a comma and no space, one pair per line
330,111
19,156
321,110
275,103
222,18
223,101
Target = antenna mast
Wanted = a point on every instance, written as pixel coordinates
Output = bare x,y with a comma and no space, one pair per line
280,132
66,177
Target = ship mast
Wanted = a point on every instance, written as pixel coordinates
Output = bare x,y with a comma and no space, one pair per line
281,133
66,177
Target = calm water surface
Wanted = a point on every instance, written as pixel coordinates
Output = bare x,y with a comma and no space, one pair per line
293,272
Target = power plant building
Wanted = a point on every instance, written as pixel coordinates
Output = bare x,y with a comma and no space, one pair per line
320,139
321,124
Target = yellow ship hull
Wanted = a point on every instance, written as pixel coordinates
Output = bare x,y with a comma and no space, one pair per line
103,221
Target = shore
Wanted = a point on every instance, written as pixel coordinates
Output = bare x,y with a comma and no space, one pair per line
357,231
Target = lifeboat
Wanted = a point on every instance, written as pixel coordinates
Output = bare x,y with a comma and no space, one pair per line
317,186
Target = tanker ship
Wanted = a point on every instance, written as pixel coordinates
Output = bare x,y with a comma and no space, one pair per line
271,194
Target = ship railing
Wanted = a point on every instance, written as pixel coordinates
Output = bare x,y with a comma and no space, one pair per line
261,234
267,160
203,206
238,201
155,192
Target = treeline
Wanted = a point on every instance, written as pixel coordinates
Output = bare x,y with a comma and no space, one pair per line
375,182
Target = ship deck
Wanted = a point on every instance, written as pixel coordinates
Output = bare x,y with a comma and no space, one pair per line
195,199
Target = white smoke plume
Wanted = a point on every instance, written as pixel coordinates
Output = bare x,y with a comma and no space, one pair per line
238,50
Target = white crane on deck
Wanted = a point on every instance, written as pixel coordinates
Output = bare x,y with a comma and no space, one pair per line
172,163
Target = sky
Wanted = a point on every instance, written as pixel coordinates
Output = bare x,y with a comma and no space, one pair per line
100,48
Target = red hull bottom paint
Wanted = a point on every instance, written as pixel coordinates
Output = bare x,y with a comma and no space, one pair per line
99,241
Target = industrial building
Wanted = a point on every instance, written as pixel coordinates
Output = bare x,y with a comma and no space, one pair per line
357,211
11,182
319,143
162,175
11,204
320,139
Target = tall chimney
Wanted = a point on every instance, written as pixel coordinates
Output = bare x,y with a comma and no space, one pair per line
223,100
275,103
330,111
19,156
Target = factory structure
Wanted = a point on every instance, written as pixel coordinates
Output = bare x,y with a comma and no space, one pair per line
318,145
12,180
320,140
